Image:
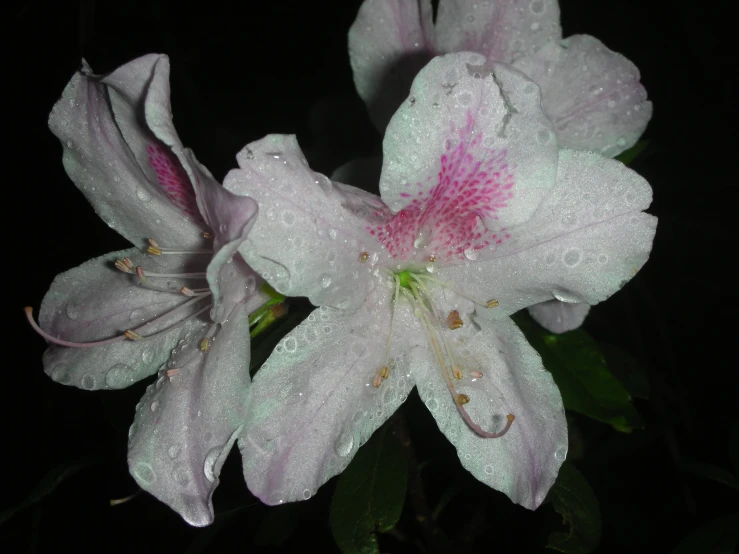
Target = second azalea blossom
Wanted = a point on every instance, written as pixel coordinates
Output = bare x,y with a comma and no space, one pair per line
180,309
481,215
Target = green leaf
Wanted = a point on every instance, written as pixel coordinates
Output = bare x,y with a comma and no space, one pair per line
369,495
573,498
48,484
718,537
627,157
630,371
579,370
714,473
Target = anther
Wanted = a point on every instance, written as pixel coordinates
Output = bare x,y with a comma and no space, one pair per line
140,274
187,291
475,374
205,344
172,372
432,258
153,243
457,371
384,372
492,303
207,235
363,257
154,250
377,381
125,265
132,335
461,399
453,320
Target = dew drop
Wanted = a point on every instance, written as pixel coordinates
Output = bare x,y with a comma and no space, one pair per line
174,451
572,257
535,26
307,494
325,184
488,470
537,6
61,375
154,406
143,194
209,466
603,259
72,310
332,234
471,254
344,444
69,144
560,454
144,473
87,381
325,280
119,376
291,344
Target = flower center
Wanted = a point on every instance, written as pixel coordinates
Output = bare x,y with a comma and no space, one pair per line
413,287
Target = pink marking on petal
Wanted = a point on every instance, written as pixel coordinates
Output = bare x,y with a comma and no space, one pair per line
173,179
474,182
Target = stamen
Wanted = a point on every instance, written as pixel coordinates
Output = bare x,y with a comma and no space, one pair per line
475,374
363,257
125,265
205,344
172,372
492,303
377,381
488,304
140,274
132,335
207,235
153,250
432,258
453,320
479,430
457,371
461,399
153,243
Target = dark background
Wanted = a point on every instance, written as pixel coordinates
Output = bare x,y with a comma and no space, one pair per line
244,69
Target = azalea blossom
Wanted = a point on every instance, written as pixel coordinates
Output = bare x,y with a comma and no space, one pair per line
180,308
480,215
592,95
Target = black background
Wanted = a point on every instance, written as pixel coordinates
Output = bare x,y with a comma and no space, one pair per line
244,69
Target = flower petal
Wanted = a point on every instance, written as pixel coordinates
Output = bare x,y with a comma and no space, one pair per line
313,401
468,138
187,422
94,302
501,30
311,234
588,238
559,317
592,95
524,462
389,42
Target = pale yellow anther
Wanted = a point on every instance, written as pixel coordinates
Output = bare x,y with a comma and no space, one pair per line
462,399
432,258
187,292
132,335
377,381
475,374
384,372
453,320
154,250
153,243
121,265
492,303
207,235
205,344
457,371
363,257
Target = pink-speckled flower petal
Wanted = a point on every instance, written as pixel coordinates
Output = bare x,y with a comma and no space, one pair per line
313,403
502,375
389,42
588,238
501,30
559,317
311,236
95,301
188,420
468,154
592,95
102,165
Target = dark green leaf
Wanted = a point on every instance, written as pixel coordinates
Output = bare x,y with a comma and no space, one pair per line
718,537
369,495
627,369
628,156
579,369
47,485
573,498
714,473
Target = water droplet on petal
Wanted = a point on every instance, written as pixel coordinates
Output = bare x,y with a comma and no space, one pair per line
119,376
72,310
291,344
489,469
471,254
560,454
88,381
174,451
307,494
209,466
572,257
154,406
143,194
144,473
344,444
325,281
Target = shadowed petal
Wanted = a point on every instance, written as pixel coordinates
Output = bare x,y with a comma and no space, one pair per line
592,95
559,317
310,234
588,238
186,423
103,165
524,462
313,401
95,301
471,140
389,42
502,30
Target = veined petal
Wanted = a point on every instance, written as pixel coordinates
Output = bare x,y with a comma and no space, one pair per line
95,301
472,147
313,402
508,378
311,237
501,30
389,42
102,165
592,95
189,419
559,317
588,238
